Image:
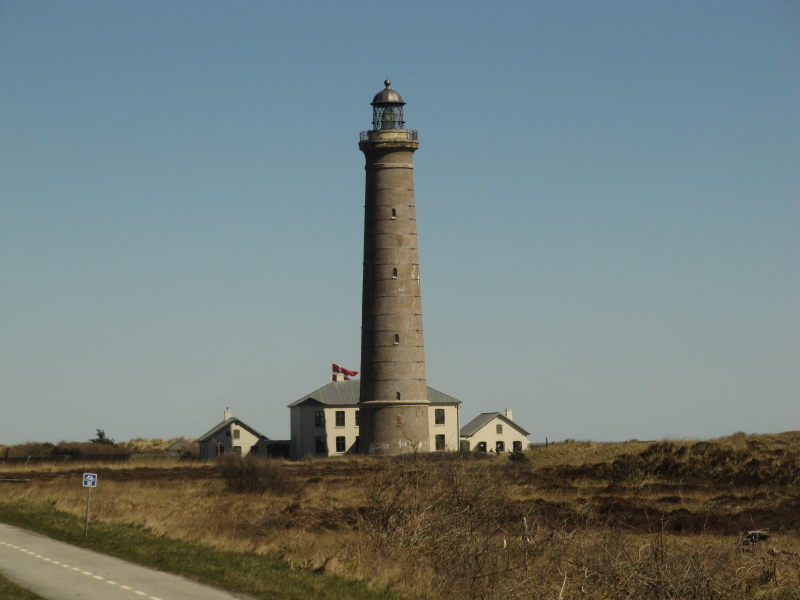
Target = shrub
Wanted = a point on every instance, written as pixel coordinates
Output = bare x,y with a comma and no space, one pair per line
519,458
87,449
451,518
257,475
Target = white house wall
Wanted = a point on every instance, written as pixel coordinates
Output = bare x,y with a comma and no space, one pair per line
225,439
305,431
449,429
488,434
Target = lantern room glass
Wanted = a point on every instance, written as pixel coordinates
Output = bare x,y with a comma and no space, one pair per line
387,117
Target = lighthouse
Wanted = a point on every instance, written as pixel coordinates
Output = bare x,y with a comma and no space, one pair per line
393,402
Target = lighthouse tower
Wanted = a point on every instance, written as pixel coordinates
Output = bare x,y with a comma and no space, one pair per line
393,403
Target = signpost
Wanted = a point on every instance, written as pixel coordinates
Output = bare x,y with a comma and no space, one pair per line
89,482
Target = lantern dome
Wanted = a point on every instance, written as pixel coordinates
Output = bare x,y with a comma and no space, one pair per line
387,96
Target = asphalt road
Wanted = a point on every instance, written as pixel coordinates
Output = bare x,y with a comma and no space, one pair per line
59,571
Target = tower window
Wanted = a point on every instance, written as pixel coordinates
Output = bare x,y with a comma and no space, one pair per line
397,396
396,338
394,213
394,273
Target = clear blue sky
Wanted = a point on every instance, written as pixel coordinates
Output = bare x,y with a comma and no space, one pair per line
608,199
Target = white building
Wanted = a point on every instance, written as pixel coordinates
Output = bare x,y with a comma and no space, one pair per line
494,432
232,435
325,422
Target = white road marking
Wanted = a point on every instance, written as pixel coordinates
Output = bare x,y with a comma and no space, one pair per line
79,570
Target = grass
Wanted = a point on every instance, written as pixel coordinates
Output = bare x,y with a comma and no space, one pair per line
258,575
571,520
11,591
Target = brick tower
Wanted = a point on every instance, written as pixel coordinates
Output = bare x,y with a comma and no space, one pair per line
393,403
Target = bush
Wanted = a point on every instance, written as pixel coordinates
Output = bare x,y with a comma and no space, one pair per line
257,475
87,449
454,521
519,458
31,449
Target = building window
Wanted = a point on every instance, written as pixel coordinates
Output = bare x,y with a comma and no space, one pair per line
319,444
438,416
499,447
237,449
340,445
340,418
499,428
440,442
517,446
481,447
397,396
236,434
396,338
394,213
228,433
357,445
319,418
394,273
358,418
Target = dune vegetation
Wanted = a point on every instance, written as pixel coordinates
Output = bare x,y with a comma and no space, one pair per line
584,520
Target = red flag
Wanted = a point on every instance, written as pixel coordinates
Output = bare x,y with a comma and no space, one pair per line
349,372
335,368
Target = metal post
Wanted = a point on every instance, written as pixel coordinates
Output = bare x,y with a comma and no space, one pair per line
88,503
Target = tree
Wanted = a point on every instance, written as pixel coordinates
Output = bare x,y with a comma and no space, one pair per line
101,438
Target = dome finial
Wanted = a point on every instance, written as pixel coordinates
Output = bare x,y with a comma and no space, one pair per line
387,83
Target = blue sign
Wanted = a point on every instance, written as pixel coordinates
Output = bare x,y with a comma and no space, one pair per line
90,480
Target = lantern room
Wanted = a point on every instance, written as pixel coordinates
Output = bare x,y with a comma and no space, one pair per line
387,109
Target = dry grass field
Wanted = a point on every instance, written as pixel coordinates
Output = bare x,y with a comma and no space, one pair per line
572,520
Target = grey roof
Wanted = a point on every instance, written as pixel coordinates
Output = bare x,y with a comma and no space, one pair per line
483,419
345,393
180,445
226,423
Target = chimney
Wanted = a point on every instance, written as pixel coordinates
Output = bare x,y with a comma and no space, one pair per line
228,413
338,377
509,414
